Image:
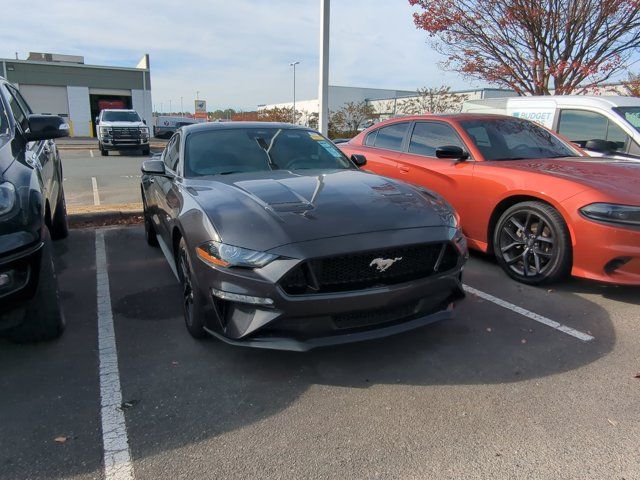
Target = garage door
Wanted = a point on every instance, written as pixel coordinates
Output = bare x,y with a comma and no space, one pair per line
46,99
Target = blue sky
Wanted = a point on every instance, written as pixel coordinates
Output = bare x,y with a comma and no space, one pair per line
236,53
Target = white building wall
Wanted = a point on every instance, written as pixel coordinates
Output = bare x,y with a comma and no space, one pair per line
141,103
79,110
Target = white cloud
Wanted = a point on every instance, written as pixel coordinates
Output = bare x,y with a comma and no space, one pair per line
236,53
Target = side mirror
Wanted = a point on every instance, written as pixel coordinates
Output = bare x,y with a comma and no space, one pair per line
144,121
153,167
600,146
97,120
359,160
451,151
46,127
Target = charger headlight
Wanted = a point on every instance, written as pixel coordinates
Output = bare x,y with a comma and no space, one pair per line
222,255
612,213
7,197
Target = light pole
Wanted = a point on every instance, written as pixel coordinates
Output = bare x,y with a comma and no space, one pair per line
162,107
197,94
170,109
181,107
323,84
293,64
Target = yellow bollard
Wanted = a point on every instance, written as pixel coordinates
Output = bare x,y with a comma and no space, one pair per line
70,122
91,128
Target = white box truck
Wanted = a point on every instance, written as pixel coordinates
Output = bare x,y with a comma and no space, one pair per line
601,125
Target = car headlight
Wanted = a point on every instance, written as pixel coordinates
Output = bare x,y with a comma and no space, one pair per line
7,197
612,213
220,254
105,130
144,130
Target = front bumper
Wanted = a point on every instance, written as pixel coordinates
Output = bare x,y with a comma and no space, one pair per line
603,252
109,143
303,322
22,269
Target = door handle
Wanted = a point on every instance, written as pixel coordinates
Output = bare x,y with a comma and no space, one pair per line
403,169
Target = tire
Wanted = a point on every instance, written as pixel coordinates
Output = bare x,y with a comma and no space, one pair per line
103,152
146,152
532,244
192,302
149,230
43,319
59,224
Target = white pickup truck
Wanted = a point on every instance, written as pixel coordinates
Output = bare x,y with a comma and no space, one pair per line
122,130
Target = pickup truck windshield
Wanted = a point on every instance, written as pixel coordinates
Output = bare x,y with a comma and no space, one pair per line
120,117
513,139
631,115
235,150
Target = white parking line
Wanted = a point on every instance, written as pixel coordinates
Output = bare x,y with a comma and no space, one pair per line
533,316
96,194
91,153
117,458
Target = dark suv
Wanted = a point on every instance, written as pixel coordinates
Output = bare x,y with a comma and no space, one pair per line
32,213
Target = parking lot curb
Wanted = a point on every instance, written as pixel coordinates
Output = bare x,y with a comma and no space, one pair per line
105,218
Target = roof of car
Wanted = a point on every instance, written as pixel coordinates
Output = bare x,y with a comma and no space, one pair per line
197,127
450,116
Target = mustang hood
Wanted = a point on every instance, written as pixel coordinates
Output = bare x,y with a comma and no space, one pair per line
615,177
250,211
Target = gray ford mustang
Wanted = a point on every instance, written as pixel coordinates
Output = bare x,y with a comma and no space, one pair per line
280,241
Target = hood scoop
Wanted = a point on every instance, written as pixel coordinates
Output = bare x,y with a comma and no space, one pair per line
275,196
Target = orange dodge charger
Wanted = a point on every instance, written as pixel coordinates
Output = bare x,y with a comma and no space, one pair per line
536,201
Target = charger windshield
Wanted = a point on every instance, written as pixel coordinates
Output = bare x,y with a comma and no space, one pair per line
513,139
238,150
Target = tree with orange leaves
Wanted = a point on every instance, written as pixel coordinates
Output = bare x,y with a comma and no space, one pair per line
534,46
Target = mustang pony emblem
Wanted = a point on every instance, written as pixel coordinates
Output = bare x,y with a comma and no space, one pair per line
383,264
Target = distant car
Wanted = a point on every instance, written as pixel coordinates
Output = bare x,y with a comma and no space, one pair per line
166,125
601,125
32,212
542,206
280,241
122,130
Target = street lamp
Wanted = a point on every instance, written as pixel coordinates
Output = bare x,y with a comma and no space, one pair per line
293,64
181,107
170,109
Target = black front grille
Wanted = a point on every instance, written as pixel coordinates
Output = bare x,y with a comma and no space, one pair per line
374,268
126,132
374,317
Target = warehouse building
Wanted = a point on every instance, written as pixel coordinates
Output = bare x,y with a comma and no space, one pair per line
64,85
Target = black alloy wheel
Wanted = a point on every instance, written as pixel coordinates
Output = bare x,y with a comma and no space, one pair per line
532,244
191,301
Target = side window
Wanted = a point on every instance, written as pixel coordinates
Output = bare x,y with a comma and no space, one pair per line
370,138
172,153
19,108
391,137
580,126
428,136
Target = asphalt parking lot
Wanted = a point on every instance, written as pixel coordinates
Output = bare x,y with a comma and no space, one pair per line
93,180
493,393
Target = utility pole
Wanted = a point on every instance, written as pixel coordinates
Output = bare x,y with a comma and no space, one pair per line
293,64
170,109
181,108
323,85
162,107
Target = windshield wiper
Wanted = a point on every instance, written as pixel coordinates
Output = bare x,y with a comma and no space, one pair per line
267,147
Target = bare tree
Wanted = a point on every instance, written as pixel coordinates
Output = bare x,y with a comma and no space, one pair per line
533,46
632,85
352,115
433,100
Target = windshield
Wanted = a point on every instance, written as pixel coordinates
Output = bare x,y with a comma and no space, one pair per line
631,115
4,125
513,139
225,151
120,117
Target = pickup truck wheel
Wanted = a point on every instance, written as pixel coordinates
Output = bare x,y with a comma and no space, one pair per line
43,319
103,152
59,224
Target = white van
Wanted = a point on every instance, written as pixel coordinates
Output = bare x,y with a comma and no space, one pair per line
602,125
